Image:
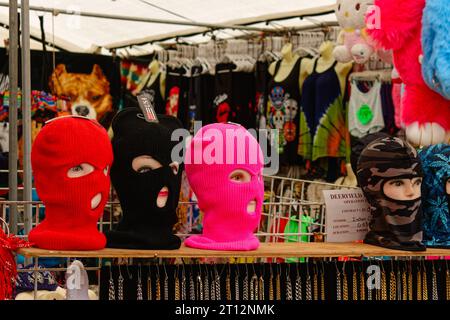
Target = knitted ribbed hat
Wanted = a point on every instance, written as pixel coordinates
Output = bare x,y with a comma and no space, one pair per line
212,158
73,205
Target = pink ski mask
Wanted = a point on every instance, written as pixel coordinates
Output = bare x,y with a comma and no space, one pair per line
224,164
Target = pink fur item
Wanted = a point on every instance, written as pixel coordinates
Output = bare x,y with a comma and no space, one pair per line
401,27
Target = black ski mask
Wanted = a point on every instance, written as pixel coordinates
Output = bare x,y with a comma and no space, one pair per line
395,224
146,181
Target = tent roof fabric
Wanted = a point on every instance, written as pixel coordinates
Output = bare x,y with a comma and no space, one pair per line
88,34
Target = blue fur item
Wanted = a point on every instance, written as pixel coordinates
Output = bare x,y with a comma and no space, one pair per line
436,46
435,201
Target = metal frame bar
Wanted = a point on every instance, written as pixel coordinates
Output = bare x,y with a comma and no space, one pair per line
26,112
13,90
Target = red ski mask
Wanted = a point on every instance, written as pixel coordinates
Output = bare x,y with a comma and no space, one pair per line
71,157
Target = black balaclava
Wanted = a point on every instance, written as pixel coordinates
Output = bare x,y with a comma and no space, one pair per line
144,225
396,224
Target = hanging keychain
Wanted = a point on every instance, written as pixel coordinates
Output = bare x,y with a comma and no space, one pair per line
228,282
177,283
278,283
199,284
338,283
206,289
298,285
245,293
158,284
191,284
392,284
112,291
271,291
308,284
166,284
149,284
236,282
139,285
261,289
288,283
120,285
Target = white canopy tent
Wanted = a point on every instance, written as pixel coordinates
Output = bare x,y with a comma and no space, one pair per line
71,25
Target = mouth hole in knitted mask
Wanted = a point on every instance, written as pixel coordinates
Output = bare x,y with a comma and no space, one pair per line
163,195
403,189
96,201
251,207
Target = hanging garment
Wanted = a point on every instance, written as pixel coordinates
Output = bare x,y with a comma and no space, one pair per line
262,78
201,96
176,91
155,90
322,117
365,114
282,112
243,98
387,104
222,106
436,199
234,95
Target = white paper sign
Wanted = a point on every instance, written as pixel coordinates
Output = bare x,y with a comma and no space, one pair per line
347,215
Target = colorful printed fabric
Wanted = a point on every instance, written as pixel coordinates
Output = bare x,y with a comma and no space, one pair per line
323,131
4,109
436,201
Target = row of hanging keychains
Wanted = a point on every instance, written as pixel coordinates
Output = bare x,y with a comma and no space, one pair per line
197,282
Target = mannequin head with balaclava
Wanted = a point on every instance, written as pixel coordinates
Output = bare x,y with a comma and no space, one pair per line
71,158
224,164
146,180
390,175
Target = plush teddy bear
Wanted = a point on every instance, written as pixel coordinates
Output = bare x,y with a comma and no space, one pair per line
436,46
425,113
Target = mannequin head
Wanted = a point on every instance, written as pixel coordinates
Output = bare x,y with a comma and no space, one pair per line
154,67
403,189
286,52
390,175
326,50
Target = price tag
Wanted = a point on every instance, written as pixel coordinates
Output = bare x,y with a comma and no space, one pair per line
347,215
146,102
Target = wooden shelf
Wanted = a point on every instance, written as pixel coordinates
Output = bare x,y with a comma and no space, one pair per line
266,250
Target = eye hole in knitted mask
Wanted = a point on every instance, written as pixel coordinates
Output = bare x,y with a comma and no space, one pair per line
80,170
143,164
447,186
240,176
403,189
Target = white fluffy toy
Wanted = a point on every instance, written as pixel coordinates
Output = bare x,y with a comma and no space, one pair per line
353,42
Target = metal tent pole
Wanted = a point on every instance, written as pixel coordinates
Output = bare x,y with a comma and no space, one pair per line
26,112
13,92
141,19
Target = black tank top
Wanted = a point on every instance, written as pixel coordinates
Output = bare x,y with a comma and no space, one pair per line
283,112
